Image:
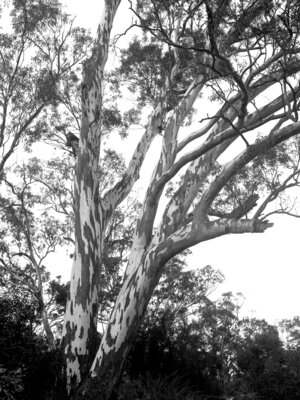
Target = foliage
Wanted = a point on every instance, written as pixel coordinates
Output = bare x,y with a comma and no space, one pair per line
30,231
41,52
183,331
28,369
291,331
266,368
11,383
206,342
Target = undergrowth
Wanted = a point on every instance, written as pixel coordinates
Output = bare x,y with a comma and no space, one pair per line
161,388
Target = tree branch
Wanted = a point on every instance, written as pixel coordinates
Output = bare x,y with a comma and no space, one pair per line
274,193
260,147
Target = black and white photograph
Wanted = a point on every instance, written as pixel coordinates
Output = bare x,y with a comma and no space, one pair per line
149,199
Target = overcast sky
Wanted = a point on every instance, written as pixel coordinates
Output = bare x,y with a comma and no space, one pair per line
264,267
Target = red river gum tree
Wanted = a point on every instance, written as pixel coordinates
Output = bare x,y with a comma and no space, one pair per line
236,51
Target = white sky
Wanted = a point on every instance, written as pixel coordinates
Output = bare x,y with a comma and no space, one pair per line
264,267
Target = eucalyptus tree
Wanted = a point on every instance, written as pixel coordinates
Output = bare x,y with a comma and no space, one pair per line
30,232
40,56
242,58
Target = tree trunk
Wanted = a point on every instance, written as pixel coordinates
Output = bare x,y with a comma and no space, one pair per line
80,337
48,331
124,322
79,340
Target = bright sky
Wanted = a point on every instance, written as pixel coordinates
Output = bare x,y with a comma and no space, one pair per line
264,267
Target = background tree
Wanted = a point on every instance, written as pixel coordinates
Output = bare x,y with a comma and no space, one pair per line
29,233
290,330
41,52
176,336
28,370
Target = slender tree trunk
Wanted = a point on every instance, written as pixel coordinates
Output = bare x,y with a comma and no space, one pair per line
48,330
43,314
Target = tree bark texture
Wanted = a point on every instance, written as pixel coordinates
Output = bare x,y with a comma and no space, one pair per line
79,339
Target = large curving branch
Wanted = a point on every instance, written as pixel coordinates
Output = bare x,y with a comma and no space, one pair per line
191,234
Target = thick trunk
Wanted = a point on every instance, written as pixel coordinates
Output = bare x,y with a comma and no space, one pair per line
126,317
79,341
80,337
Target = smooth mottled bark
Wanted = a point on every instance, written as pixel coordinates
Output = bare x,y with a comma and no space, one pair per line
79,340
189,217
